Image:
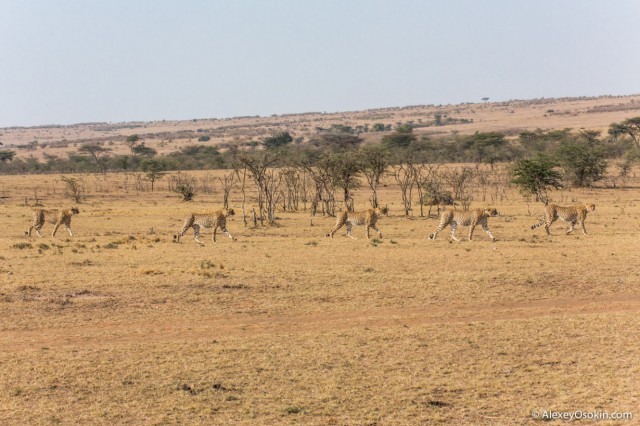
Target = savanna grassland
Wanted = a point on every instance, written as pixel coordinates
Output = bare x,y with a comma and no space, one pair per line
121,325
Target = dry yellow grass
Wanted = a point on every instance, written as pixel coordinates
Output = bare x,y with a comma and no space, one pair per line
120,325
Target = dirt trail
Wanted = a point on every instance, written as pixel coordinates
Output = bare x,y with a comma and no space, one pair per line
106,334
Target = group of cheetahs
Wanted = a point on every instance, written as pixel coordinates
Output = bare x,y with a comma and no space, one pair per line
368,218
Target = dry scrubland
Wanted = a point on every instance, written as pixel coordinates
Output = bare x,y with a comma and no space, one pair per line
120,325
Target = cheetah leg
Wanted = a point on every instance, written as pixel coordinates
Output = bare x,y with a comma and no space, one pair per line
215,231
547,225
435,234
584,230
196,231
334,230
349,228
55,229
224,230
486,229
69,230
377,230
454,225
182,232
571,225
471,229
37,228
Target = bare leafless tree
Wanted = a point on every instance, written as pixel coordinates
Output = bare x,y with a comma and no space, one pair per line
427,181
206,183
258,165
241,173
460,180
294,190
404,175
35,196
227,182
323,188
374,163
272,193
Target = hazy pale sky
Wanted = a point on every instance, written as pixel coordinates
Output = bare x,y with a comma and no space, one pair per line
71,61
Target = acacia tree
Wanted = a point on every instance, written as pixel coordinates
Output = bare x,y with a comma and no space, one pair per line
537,177
630,126
131,142
153,171
144,151
98,153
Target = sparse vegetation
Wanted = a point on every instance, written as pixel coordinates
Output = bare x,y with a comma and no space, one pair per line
73,189
183,184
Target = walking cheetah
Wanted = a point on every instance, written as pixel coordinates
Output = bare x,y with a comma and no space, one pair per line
469,218
571,215
368,218
55,217
216,220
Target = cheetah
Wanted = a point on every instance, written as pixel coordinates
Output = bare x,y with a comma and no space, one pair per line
469,218
55,217
571,215
218,219
368,218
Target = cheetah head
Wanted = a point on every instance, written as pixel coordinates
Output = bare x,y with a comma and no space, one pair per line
591,207
491,212
230,212
382,210
75,210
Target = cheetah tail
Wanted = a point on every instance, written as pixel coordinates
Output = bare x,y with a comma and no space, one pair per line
537,225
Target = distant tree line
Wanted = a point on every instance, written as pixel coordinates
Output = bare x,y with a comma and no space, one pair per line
338,153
